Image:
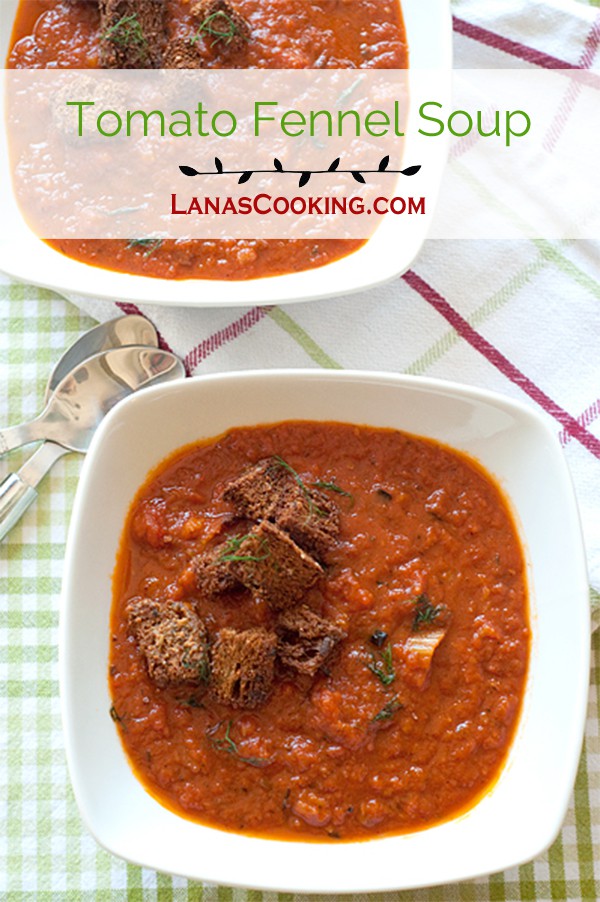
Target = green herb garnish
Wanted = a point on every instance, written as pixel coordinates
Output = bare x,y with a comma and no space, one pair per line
121,211
333,487
204,668
201,667
116,717
126,32
286,466
312,507
425,612
383,668
232,547
226,744
150,244
389,709
346,94
221,27
191,702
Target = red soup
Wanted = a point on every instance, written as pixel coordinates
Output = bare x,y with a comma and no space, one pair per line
276,34
319,631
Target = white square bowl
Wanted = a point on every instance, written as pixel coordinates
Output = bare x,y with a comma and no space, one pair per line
383,257
523,812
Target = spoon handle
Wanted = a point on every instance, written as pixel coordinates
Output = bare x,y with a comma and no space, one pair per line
14,436
18,490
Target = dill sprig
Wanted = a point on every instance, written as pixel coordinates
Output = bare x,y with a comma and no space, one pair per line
226,744
383,667
126,32
221,27
191,702
389,709
116,717
150,244
312,507
425,612
200,669
232,547
333,487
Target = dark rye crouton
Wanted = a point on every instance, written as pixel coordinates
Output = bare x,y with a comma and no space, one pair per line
64,119
273,567
223,28
243,666
132,33
181,53
209,574
271,490
313,522
172,639
305,640
257,492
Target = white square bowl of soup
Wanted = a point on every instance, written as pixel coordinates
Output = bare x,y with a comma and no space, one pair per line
373,34
324,632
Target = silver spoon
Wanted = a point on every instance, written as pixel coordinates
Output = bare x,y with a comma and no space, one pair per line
116,333
131,329
75,410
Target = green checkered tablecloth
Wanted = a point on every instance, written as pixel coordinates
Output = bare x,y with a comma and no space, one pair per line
45,852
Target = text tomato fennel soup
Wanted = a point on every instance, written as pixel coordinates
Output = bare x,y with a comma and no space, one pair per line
319,631
194,34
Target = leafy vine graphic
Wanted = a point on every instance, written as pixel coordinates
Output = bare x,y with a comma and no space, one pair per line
246,174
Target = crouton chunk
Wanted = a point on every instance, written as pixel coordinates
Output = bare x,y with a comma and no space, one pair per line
172,639
225,30
305,640
109,96
181,53
273,567
256,493
270,490
209,574
133,33
243,666
311,520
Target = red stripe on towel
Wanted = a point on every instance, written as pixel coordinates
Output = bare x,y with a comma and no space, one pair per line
574,428
514,48
232,331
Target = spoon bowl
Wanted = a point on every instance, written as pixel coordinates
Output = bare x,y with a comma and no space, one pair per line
88,392
132,329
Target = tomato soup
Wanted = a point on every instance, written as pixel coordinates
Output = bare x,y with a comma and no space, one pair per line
394,657
277,34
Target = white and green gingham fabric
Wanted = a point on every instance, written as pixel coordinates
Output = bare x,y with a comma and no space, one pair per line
521,318
45,852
